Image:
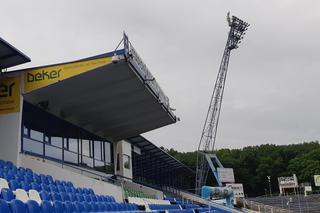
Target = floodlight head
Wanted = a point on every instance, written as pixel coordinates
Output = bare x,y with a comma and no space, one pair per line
237,31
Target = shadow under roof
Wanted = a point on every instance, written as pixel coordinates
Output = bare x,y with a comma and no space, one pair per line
114,101
11,56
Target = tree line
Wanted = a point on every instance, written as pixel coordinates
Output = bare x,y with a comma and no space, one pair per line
253,164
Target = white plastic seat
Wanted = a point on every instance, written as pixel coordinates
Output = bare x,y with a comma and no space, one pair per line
22,195
3,184
136,200
34,195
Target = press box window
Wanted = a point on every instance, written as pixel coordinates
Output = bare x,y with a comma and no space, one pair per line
126,161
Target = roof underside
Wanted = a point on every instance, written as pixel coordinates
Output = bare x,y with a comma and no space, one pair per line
10,56
153,158
112,102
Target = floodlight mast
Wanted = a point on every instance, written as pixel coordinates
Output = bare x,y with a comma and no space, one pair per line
208,136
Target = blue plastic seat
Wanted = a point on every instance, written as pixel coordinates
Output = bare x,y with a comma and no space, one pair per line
19,177
45,196
45,187
87,198
61,188
37,179
70,208
47,207
113,207
106,198
59,207
102,207
108,207
122,206
111,198
95,206
21,170
69,184
26,186
50,179
58,182
91,191
79,190
36,186
29,171
17,206
9,164
79,207
56,196
87,207
44,179
85,191
8,176
33,207
99,198
7,194
80,197
28,178
64,196
2,163
53,188
70,189
73,197
4,207
94,198
14,185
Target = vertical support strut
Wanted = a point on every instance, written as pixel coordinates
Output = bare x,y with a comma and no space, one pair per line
208,136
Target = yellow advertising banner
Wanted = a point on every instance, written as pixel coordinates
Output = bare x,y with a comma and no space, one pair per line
41,77
9,94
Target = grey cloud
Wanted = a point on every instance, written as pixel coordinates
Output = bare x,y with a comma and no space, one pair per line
272,87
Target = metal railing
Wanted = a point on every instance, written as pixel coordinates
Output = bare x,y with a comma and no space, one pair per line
143,71
40,152
260,207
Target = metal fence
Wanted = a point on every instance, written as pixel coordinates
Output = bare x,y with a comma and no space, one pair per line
145,74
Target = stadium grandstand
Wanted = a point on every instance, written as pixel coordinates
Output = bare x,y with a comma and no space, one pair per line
71,138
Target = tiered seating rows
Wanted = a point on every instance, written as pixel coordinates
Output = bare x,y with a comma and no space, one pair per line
20,187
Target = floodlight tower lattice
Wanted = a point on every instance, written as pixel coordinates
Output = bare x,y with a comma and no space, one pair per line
208,136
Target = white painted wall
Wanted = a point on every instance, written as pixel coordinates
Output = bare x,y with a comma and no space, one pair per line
123,148
10,135
144,189
41,166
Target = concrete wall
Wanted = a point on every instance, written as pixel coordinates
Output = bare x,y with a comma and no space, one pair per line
122,148
41,166
10,136
144,189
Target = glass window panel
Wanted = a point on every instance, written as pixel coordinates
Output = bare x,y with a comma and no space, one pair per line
85,148
107,152
70,157
126,161
87,161
97,150
53,152
36,135
99,164
56,141
25,131
118,162
73,144
32,146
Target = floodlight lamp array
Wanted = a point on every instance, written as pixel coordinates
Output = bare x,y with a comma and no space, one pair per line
238,29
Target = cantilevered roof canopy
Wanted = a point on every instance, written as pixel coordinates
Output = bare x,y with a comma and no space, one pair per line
10,56
160,158
113,101
157,166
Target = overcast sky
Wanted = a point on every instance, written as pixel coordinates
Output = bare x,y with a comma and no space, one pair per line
272,90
